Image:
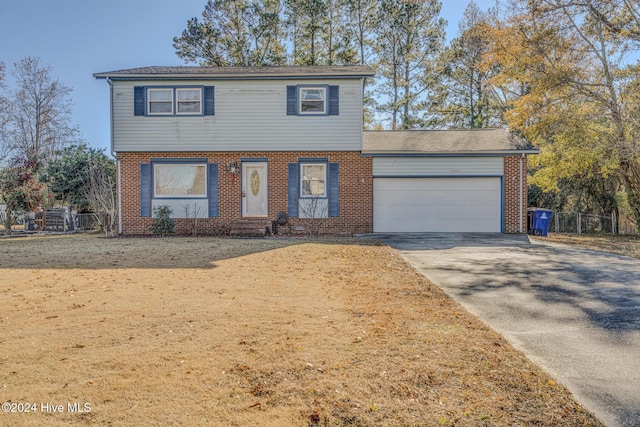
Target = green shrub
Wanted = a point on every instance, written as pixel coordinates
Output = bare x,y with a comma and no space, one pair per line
163,224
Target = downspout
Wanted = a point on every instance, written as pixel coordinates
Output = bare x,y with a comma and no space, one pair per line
521,194
118,164
119,190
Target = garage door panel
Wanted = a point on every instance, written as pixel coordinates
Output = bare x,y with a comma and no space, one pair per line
437,204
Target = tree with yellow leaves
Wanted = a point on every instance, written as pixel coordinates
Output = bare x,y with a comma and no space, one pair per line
572,92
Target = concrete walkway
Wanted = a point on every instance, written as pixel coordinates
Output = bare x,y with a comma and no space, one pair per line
573,311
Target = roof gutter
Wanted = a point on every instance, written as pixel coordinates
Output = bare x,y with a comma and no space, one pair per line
448,153
229,76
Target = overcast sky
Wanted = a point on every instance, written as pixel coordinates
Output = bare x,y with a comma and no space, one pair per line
80,37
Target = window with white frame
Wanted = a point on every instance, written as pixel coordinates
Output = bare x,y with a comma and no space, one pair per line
313,100
160,101
174,180
313,180
189,101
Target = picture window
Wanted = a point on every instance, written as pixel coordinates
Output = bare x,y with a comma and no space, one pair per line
180,180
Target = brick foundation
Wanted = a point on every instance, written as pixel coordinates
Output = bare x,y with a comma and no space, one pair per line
355,189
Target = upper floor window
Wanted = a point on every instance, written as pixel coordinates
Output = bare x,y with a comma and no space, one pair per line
189,101
313,100
169,101
160,101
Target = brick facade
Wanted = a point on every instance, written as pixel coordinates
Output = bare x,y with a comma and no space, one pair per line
512,193
355,190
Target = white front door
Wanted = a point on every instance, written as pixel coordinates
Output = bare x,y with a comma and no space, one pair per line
254,189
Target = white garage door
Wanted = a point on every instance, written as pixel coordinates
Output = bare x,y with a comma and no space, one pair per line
437,205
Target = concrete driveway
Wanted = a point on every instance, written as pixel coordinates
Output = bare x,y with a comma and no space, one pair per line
573,311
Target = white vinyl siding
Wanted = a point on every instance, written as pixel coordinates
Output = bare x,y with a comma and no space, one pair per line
249,116
438,166
313,208
184,208
437,205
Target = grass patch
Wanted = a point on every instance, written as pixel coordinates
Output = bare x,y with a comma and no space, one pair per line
185,331
622,245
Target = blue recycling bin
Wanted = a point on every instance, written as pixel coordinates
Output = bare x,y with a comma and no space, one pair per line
539,221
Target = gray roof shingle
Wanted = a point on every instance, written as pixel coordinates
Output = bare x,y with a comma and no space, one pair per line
198,72
434,142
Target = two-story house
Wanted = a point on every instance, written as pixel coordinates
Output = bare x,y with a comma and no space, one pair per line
225,144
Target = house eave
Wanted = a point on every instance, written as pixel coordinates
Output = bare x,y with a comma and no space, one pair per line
238,73
499,153
209,77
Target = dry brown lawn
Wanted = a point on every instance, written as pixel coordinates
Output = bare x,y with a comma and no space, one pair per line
220,332
623,245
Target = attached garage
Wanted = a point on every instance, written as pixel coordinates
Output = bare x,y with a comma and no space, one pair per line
437,204
447,181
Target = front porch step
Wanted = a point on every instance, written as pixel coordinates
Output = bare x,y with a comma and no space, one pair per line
250,228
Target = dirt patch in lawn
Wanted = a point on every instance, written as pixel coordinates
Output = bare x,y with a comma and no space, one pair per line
181,331
623,245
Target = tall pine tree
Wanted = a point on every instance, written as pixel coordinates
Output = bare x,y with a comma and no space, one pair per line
234,33
361,19
305,19
463,96
409,37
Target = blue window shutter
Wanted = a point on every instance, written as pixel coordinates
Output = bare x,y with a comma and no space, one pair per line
138,101
212,190
334,193
292,100
209,104
145,190
334,100
294,189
